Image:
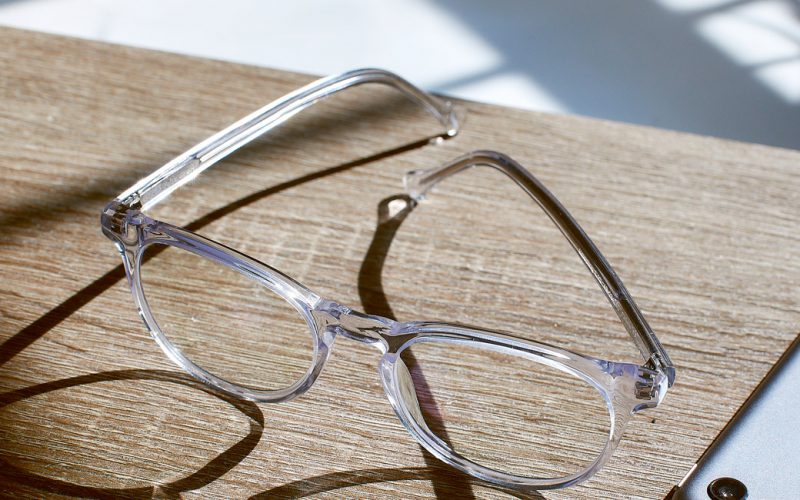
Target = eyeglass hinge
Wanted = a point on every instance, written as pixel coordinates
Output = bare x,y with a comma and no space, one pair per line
650,387
659,364
116,217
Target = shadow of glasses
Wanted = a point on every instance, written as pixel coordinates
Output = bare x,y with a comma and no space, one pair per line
213,470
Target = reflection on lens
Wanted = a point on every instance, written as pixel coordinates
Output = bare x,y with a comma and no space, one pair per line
506,412
229,325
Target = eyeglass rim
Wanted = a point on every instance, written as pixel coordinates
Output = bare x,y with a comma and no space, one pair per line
616,382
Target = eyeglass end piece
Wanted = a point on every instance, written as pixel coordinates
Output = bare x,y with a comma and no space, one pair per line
415,185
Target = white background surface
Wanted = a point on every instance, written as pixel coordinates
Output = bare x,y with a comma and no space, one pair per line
728,68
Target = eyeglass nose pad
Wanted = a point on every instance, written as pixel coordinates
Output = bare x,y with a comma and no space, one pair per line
408,392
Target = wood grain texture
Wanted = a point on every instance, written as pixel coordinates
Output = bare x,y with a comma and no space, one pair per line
704,232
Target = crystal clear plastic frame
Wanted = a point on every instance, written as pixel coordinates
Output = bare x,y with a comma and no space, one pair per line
626,388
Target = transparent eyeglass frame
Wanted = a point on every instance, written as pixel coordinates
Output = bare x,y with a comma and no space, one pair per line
626,388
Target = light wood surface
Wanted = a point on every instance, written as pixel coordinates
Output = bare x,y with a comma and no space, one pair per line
704,232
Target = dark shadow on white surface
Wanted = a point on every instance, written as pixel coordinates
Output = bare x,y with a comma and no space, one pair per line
636,62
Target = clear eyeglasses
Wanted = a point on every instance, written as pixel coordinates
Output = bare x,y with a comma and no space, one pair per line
245,328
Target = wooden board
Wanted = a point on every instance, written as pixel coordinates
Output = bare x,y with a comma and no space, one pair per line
704,232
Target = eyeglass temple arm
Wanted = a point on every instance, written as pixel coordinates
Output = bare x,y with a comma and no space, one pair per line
418,183
158,185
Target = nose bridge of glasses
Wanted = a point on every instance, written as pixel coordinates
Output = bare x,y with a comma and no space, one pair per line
365,328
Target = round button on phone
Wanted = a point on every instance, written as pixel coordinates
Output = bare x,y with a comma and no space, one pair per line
727,488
